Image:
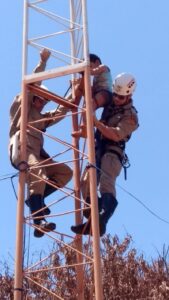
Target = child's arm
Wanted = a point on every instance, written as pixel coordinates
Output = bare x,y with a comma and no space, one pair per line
100,69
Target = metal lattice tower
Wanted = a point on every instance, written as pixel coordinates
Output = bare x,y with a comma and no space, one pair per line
66,21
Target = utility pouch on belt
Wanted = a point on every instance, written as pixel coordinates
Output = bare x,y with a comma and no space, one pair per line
15,146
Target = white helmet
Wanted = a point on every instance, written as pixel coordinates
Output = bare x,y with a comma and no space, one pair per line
46,89
124,84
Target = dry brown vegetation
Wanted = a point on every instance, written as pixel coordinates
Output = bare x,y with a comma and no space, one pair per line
126,275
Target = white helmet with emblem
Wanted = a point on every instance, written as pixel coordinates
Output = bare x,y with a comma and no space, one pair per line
124,84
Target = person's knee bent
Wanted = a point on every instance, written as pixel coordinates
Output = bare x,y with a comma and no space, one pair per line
67,176
69,173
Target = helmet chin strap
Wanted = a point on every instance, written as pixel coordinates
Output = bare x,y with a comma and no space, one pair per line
128,99
125,101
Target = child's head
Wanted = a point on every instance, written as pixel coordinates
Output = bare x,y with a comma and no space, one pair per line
94,60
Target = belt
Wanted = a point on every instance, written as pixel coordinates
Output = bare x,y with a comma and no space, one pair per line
120,157
123,160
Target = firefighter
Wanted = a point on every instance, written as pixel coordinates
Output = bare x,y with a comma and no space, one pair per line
119,119
58,174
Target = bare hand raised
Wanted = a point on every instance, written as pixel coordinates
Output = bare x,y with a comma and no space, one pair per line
44,54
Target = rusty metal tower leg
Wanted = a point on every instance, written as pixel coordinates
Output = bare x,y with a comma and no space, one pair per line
75,142
93,184
91,154
18,282
20,211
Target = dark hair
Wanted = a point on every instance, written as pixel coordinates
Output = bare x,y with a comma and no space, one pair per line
94,57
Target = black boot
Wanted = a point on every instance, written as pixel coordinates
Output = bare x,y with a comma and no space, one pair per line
45,226
109,204
84,228
49,189
46,210
87,212
35,204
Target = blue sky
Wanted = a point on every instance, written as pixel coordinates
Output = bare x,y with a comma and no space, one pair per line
129,36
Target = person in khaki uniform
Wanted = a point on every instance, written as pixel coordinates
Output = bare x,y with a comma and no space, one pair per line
118,121
59,174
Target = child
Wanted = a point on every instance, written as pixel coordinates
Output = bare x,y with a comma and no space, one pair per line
101,89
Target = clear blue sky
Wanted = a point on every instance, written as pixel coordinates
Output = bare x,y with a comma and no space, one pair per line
130,36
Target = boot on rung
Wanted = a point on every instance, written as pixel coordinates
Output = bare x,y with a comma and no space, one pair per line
36,203
87,210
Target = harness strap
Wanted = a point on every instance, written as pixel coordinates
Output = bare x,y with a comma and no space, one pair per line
120,144
123,160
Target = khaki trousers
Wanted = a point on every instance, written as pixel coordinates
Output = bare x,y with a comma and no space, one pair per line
59,173
110,170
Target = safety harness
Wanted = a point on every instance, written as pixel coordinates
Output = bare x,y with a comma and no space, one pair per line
102,142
